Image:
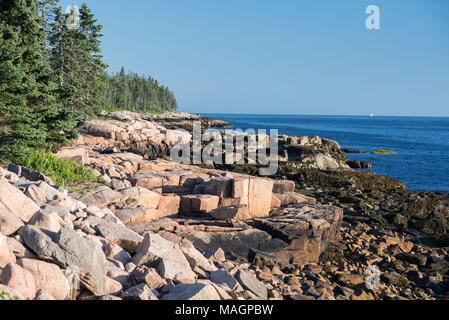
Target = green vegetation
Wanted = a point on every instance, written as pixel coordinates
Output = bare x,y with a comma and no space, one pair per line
30,112
61,171
384,152
76,60
138,93
52,76
6,296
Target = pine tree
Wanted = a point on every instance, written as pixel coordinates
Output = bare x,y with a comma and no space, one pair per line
27,91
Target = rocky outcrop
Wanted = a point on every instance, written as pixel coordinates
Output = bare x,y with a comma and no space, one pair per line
138,136
148,239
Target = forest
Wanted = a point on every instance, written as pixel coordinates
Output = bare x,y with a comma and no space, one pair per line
52,75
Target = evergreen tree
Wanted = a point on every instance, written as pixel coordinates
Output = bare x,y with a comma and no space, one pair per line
77,61
138,93
96,82
27,91
65,60
45,8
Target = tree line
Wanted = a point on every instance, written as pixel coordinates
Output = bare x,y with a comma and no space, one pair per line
52,76
138,93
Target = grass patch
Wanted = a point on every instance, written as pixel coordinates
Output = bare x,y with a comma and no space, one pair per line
384,152
61,171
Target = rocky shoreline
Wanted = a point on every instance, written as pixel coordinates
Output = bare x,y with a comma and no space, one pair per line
155,229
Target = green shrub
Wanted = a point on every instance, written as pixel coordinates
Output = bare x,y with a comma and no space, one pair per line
61,171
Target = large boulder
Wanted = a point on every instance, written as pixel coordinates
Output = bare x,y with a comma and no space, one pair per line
78,154
20,279
114,251
199,203
9,222
148,198
165,256
235,212
249,282
100,196
197,291
195,258
6,254
224,278
283,186
49,220
68,248
289,198
140,292
219,186
130,215
18,249
235,243
259,197
47,277
168,205
120,235
16,202
101,129
307,228
146,179
35,193
143,274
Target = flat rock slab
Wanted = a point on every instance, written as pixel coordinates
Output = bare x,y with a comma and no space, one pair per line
120,235
249,282
223,277
165,256
288,198
235,243
100,196
308,228
16,202
140,292
197,291
9,222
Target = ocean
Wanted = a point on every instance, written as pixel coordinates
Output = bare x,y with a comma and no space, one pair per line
421,143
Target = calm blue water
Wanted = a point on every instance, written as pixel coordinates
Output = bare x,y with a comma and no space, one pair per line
422,143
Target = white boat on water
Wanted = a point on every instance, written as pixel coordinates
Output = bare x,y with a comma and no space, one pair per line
372,115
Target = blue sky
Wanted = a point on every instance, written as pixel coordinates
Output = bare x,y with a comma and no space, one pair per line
285,56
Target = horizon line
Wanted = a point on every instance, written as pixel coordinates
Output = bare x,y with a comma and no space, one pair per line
332,115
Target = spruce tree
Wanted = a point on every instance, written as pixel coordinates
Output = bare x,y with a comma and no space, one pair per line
96,82
138,93
45,8
65,60
27,92
77,62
